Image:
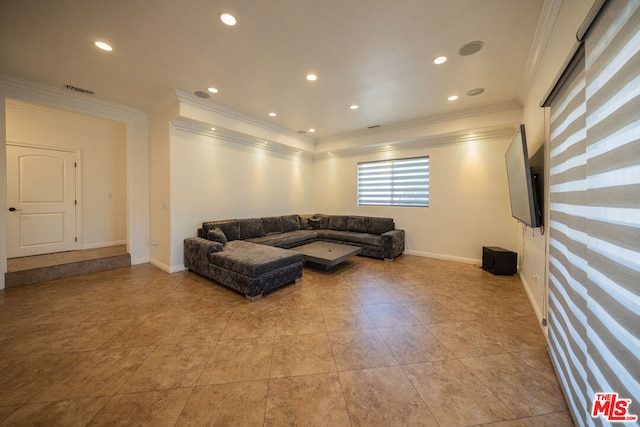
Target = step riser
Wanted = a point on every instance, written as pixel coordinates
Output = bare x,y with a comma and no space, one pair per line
44,274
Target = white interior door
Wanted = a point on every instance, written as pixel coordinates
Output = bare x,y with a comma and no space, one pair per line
41,196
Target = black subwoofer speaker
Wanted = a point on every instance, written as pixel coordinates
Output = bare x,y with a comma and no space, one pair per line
499,261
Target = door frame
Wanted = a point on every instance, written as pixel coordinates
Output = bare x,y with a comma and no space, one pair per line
78,206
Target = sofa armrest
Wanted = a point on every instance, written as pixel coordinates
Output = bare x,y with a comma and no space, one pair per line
197,250
393,243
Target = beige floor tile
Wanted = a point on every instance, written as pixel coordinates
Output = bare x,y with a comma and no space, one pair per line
300,321
299,298
504,374
454,396
24,377
305,401
237,404
346,318
147,331
389,315
383,397
466,339
339,297
170,366
360,350
99,373
61,413
373,295
295,355
414,344
559,419
515,333
194,328
152,408
510,423
238,360
257,324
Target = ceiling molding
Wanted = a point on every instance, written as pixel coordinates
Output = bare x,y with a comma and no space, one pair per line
395,128
478,135
209,106
37,93
544,28
199,128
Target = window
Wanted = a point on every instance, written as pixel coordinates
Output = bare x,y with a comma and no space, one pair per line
402,182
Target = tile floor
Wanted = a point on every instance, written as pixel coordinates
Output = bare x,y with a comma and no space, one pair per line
416,341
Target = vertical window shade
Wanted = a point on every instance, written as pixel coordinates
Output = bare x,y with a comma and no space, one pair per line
594,224
403,182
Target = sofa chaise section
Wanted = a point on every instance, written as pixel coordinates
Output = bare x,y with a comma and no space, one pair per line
249,268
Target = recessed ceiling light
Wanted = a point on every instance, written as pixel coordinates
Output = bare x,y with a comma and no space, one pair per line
228,19
212,90
272,114
213,128
440,60
354,107
265,142
453,97
312,77
103,46
312,130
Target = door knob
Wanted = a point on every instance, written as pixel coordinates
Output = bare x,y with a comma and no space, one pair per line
12,209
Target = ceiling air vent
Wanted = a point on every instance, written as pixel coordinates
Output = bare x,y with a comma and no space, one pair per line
79,89
373,127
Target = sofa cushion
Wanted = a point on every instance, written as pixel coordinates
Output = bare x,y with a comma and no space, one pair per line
314,223
285,239
351,237
253,260
304,222
324,221
272,225
380,225
357,223
217,235
291,222
230,228
251,227
338,222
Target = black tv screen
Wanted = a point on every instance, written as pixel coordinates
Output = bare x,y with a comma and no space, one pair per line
522,191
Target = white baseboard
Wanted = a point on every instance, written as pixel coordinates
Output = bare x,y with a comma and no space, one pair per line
444,257
167,268
534,305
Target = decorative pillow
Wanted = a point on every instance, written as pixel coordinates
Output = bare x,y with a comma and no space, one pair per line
291,222
230,227
315,223
272,225
380,225
324,221
217,235
251,227
338,222
357,223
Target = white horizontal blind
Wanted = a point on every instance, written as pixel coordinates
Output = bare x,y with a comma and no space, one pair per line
594,302
402,182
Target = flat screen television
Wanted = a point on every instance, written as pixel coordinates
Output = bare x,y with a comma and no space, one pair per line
522,186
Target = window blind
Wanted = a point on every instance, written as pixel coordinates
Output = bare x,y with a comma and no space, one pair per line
594,223
402,182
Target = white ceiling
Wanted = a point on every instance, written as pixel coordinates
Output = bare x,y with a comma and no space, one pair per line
374,53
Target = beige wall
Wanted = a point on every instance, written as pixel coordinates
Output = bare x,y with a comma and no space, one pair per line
469,200
103,163
211,178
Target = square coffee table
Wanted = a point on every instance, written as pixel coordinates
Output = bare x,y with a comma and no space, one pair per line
327,254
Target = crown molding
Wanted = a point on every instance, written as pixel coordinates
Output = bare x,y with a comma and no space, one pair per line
198,128
477,135
399,127
230,113
544,28
39,93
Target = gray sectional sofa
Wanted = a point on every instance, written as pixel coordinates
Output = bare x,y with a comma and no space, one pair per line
250,255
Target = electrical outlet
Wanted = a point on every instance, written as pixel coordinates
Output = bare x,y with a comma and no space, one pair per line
154,243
